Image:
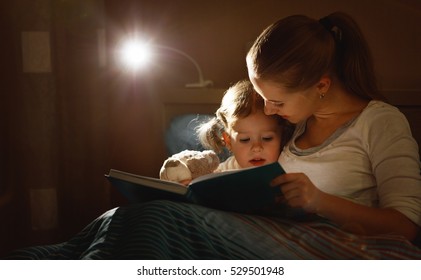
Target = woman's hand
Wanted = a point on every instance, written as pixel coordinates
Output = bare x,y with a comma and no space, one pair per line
299,191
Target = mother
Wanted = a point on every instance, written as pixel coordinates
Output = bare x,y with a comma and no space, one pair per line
352,158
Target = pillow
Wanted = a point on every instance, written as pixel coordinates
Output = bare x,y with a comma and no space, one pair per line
181,134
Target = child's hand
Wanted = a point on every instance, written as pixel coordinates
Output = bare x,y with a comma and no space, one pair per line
185,182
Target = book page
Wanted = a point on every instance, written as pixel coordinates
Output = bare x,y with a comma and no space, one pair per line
151,182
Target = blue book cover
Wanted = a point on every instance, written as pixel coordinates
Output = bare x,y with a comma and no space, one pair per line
245,190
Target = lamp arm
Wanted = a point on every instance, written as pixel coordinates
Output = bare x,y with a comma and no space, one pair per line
202,82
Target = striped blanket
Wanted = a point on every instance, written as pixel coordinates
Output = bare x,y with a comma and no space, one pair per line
171,230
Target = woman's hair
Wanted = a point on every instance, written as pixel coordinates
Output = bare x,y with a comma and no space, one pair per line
239,101
297,51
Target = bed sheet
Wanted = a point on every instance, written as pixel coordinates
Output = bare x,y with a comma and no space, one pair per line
170,230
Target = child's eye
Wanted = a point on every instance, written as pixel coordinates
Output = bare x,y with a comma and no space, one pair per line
244,140
267,139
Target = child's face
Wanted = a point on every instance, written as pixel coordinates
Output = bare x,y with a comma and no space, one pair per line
255,140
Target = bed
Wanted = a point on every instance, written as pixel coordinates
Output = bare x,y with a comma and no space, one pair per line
160,230
163,229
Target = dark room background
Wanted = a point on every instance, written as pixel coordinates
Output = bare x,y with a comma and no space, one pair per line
70,112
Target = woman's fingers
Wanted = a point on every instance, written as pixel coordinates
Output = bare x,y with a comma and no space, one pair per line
297,190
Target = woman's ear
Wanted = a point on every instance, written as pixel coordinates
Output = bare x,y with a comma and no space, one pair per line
227,140
324,84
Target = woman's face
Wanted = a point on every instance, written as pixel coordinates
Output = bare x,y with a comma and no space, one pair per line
293,106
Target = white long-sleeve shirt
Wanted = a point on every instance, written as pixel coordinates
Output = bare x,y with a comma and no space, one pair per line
229,164
373,160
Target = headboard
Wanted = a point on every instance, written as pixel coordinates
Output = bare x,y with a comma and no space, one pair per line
188,101
206,101
409,103
182,111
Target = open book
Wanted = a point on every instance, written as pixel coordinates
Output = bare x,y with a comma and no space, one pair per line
245,190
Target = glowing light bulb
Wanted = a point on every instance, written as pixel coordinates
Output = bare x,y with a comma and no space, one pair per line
135,54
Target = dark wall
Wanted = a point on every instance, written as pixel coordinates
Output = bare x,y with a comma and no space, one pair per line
11,214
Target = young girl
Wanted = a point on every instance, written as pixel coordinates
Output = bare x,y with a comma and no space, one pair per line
241,126
352,158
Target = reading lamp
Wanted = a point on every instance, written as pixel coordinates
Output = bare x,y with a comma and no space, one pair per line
136,54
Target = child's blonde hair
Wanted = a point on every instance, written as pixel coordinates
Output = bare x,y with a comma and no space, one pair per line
239,101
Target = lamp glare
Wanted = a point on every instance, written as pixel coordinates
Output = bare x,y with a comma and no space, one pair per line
135,54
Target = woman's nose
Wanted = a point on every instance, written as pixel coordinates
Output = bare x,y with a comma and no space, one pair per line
270,109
